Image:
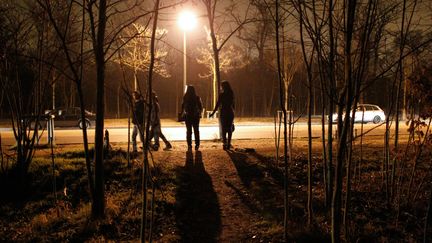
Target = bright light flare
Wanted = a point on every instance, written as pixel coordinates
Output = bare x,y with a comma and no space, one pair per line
187,20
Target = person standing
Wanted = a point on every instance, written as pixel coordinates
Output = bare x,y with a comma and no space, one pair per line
192,108
155,131
226,103
137,119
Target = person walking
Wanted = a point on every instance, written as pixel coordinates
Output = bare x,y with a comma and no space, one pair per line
192,108
155,130
137,119
226,103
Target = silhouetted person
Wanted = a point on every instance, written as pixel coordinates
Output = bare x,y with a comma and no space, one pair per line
137,119
226,104
106,144
192,108
155,131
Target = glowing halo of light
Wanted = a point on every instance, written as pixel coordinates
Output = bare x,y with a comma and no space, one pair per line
187,20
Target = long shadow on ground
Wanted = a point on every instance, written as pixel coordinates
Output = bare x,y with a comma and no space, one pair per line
263,193
197,207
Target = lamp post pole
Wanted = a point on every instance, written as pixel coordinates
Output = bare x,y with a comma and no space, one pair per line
187,22
184,62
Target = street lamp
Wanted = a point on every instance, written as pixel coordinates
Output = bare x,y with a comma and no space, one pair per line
186,21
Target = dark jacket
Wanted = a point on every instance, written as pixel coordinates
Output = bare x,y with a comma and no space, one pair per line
192,107
155,118
138,112
226,103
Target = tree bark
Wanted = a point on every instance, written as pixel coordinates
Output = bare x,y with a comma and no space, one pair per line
98,206
342,148
309,111
282,107
146,166
332,79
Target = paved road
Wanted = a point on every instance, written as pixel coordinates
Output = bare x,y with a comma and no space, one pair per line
208,132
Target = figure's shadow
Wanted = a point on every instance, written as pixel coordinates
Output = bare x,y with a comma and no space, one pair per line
197,207
246,172
263,194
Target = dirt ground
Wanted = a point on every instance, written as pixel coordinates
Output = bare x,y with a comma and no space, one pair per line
222,180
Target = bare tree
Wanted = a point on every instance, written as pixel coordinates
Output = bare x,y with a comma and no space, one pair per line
146,166
135,49
258,36
103,39
308,63
342,91
283,108
230,58
74,59
21,74
218,22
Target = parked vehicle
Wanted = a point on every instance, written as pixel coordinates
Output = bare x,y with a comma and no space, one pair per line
366,113
71,117
29,120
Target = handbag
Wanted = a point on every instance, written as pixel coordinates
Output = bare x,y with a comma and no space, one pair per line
181,116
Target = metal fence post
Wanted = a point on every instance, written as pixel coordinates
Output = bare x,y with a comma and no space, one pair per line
50,128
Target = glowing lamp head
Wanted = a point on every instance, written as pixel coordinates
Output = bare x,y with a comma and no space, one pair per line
187,20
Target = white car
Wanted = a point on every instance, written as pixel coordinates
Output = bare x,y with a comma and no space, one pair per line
366,113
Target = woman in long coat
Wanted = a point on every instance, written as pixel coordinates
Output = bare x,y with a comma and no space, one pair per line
226,103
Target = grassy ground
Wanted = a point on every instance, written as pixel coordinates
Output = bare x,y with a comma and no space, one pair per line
207,196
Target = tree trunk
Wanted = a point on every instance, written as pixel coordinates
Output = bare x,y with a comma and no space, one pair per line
118,102
282,107
337,193
329,160
428,217
98,206
78,77
146,176
211,16
309,111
